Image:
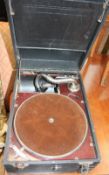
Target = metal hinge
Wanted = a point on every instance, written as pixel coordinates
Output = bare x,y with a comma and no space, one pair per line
105,5
10,8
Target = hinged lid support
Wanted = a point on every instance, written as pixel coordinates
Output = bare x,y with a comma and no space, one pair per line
105,5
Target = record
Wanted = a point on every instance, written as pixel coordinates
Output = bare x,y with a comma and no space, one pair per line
50,125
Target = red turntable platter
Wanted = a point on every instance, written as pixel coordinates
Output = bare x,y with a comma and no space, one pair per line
50,125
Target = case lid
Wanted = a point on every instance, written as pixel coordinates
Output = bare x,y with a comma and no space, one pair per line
54,35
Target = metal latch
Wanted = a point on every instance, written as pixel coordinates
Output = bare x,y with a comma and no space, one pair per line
105,5
20,165
85,168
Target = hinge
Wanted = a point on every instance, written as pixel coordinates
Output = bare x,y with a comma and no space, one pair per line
105,5
10,8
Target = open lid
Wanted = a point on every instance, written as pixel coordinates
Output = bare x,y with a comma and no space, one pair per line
54,35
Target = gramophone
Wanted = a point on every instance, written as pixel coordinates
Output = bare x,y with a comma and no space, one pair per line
50,128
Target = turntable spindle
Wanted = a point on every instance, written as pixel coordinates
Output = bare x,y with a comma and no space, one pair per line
51,120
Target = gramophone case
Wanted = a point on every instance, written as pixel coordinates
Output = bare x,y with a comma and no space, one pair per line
51,40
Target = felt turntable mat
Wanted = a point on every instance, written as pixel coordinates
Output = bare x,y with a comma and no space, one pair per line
50,125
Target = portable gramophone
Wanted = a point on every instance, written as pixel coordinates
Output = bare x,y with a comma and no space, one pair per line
50,128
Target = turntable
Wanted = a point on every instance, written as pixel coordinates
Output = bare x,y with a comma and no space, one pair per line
50,128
